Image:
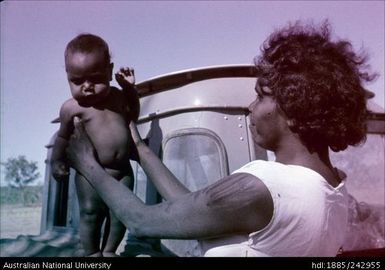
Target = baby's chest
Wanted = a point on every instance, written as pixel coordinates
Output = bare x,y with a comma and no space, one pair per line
104,119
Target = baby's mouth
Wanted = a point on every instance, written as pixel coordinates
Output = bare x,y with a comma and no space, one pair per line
87,99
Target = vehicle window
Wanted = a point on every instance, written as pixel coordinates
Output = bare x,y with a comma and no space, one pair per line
140,185
196,156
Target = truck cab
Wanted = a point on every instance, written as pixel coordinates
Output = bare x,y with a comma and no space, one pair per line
197,121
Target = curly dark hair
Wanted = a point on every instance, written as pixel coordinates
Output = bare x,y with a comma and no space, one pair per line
317,83
88,43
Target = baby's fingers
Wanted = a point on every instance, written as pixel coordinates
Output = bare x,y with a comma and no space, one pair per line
127,71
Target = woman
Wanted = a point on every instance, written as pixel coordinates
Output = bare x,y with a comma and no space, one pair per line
309,98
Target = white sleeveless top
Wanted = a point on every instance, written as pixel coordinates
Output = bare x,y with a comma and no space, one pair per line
309,219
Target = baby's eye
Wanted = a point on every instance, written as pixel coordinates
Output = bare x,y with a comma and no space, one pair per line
97,79
77,81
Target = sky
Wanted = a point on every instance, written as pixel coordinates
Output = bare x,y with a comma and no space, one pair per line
154,37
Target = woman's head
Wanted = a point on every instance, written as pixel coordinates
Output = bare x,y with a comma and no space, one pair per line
317,83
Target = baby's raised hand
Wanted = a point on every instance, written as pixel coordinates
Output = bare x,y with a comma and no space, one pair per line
125,77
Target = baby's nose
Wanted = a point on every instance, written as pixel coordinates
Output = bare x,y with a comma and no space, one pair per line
87,87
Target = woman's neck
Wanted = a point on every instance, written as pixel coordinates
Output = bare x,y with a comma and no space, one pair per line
298,153
291,150
294,152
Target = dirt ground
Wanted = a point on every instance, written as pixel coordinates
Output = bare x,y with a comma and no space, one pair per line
17,220
20,220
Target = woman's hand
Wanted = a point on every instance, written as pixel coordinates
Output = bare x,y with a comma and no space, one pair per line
80,151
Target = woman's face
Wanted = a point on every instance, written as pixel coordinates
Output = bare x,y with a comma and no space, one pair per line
267,121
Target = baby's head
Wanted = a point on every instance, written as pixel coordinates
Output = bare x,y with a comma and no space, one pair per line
88,43
89,68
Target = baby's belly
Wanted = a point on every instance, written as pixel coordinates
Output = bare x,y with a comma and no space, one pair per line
113,157
112,147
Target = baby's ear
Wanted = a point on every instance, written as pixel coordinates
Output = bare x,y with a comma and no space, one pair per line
110,70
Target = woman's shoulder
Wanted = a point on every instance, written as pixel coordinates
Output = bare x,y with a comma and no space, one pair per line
261,165
274,173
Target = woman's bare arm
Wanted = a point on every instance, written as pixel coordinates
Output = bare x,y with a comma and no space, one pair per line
164,180
239,203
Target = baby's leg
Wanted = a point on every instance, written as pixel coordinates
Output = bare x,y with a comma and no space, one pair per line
92,213
117,228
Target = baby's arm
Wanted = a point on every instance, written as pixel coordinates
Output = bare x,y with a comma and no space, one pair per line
126,79
60,169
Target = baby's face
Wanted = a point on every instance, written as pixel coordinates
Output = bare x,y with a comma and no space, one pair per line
88,76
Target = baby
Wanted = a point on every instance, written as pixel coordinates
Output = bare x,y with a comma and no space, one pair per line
106,113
